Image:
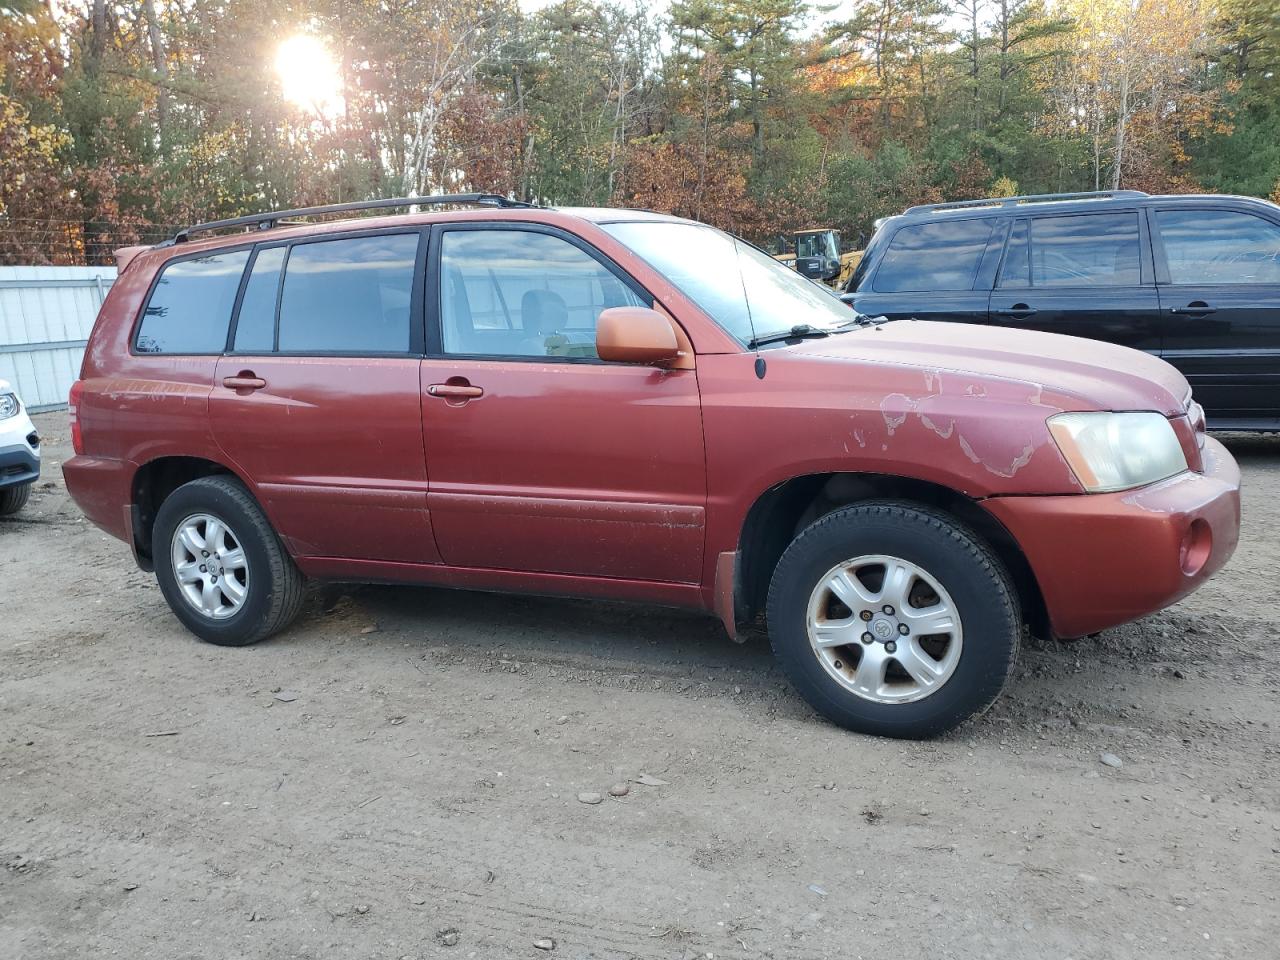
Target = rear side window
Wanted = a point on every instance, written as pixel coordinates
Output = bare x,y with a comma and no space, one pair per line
256,324
1016,269
1095,249
189,310
348,296
943,255
1219,246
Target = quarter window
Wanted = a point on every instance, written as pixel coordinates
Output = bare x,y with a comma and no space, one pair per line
943,255
348,296
1219,246
1099,249
518,293
190,308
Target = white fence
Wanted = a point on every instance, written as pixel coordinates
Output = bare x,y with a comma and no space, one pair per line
46,314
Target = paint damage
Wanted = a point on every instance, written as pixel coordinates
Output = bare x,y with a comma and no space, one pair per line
998,435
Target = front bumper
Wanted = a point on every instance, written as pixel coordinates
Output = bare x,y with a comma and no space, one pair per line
1105,559
19,451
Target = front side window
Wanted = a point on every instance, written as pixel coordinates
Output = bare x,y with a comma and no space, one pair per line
1087,250
347,296
747,292
520,293
190,308
943,255
1219,246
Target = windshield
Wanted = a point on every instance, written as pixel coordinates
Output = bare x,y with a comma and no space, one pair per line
747,292
818,245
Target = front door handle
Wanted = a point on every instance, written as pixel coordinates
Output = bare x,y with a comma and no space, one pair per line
1196,308
1017,310
455,391
244,380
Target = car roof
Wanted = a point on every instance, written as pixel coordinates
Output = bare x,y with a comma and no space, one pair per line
292,230
1060,203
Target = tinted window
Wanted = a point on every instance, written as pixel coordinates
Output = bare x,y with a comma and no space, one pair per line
934,256
1096,249
190,307
523,294
345,296
1219,246
1016,270
256,325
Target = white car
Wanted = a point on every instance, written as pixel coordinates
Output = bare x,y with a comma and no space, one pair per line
19,452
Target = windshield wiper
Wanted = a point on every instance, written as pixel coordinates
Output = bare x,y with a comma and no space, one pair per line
800,331
862,320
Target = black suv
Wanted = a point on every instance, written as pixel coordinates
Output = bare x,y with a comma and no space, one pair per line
1192,279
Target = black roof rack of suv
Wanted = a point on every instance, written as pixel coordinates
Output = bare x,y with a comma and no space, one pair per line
265,221
1030,198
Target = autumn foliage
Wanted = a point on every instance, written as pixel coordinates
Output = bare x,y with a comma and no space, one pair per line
120,121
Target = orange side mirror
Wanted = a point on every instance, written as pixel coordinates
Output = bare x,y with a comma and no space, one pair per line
635,335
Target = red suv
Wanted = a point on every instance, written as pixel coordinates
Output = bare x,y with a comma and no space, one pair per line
617,404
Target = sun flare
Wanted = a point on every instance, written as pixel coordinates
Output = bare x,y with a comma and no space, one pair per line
309,75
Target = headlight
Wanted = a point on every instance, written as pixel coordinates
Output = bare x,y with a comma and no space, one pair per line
8,406
1117,451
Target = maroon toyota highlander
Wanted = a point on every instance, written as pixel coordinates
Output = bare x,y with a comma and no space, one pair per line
617,404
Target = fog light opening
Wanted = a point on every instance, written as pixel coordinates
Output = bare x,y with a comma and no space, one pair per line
1197,544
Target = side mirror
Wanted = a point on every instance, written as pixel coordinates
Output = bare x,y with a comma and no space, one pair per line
635,335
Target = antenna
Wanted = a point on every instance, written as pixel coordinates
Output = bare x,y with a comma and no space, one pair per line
761,366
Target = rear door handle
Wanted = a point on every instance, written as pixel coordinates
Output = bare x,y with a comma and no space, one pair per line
1017,310
244,380
455,391
1197,308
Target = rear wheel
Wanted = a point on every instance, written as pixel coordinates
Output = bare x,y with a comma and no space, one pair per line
13,499
221,567
893,619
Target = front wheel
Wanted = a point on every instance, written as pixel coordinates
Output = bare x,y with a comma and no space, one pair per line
222,568
893,619
13,499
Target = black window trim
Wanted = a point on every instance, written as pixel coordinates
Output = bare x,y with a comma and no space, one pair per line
434,314
1163,277
136,329
1146,275
977,268
416,295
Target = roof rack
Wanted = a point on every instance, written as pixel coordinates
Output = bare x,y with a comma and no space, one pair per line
1031,198
266,221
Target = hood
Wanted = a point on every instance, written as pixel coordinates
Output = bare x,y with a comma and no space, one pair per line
1096,375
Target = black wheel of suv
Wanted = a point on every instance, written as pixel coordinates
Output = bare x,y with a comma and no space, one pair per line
222,568
13,499
893,619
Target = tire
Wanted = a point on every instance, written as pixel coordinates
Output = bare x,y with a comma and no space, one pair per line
269,585
970,658
13,499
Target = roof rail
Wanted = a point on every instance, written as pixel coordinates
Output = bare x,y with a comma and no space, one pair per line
1030,198
265,221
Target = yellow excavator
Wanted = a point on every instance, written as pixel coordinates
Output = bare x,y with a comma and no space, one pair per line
816,255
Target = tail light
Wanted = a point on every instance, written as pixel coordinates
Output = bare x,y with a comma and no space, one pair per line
73,412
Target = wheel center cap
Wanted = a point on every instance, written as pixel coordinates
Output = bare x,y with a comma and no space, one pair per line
215,568
883,629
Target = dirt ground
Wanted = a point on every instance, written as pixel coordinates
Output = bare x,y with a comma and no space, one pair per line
398,776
